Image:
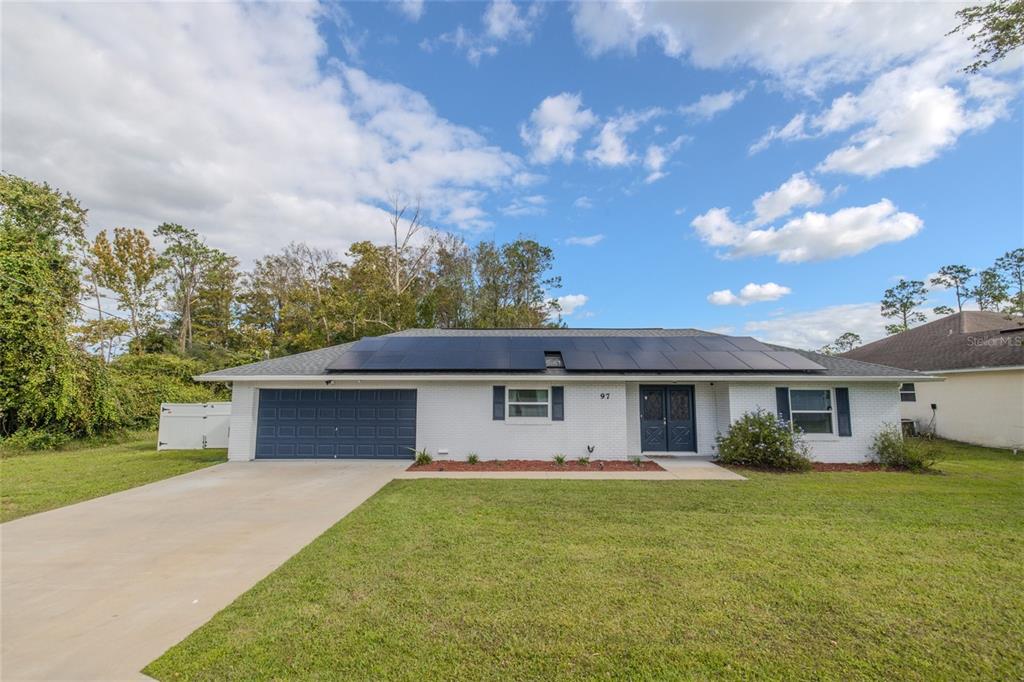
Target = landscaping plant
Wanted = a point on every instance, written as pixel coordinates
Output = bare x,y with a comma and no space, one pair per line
473,458
583,461
559,459
761,440
423,457
892,450
636,460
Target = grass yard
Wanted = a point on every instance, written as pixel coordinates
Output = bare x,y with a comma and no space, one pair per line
813,576
31,482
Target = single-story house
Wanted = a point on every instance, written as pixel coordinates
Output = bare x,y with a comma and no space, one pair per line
980,355
533,393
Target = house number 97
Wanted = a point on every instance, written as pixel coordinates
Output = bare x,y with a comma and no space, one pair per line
606,396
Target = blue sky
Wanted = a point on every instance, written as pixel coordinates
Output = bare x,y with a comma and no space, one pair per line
617,134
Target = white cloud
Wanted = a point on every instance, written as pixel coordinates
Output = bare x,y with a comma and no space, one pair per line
796,129
411,9
583,202
523,206
710,105
799,190
570,303
657,156
751,293
611,149
813,236
555,127
504,21
815,328
589,240
804,46
247,139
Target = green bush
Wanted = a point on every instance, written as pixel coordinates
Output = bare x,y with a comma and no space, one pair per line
34,439
144,381
761,440
636,460
893,450
473,458
559,459
583,461
423,457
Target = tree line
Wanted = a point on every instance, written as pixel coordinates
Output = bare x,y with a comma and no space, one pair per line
182,307
997,288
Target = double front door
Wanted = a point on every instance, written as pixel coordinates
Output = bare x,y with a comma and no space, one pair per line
667,419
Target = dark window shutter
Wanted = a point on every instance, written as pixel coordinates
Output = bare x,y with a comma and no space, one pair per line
782,402
558,403
499,403
843,411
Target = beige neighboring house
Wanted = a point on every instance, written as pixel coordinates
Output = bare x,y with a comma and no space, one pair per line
980,356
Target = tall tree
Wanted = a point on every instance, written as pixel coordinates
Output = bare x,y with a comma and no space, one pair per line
215,310
991,291
844,342
1011,266
901,303
957,278
185,256
514,284
45,381
131,268
995,30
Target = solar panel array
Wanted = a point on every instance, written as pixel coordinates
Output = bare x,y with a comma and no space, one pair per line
579,353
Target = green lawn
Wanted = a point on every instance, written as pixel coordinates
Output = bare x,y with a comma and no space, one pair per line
32,482
813,576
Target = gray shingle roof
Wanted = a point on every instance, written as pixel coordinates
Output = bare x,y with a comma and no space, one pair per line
967,340
314,363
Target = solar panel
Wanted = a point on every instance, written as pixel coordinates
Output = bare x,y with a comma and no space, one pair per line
758,360
616,353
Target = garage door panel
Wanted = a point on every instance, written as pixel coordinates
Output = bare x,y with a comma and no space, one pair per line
333,423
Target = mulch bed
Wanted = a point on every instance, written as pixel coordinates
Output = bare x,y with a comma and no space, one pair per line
537,465
867,466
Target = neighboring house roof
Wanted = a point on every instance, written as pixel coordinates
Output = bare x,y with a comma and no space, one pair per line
971,339
317,362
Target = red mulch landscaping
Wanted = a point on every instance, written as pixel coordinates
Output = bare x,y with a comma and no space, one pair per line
867,466
537,465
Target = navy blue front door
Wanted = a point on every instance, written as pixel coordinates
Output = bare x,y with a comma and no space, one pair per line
667,419
336,424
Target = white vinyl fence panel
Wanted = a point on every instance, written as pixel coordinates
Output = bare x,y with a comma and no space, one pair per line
193,426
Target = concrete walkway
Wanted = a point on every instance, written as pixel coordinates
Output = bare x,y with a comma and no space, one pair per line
676,469
99,589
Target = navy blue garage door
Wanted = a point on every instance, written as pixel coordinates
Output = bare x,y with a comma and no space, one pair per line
333,424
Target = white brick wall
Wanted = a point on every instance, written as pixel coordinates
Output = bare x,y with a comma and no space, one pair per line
456,416
871,407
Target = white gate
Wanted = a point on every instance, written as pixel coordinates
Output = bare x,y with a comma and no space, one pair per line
193,426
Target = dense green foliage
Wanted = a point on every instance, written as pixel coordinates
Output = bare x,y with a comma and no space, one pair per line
38,481
891,449
823,576
761,440
995,29
189,309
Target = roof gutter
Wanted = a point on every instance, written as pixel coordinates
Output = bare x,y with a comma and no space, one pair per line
567,378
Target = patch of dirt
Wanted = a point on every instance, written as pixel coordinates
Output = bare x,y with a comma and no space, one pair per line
537,465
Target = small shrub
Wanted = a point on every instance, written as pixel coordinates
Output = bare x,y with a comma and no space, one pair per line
423,457
761,440
895,451
636,460
559,459
583,461
34,439
473,458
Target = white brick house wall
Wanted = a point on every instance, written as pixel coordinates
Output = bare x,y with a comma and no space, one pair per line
457,416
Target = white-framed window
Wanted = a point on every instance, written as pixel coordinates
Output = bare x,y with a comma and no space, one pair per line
528,403
908,393
811,411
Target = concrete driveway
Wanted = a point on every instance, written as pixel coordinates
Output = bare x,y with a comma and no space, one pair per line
99,589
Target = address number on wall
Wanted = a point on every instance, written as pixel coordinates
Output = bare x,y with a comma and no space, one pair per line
606,396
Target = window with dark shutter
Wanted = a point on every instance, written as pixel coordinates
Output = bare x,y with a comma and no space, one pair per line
498,412
557,403
782,402
843,412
